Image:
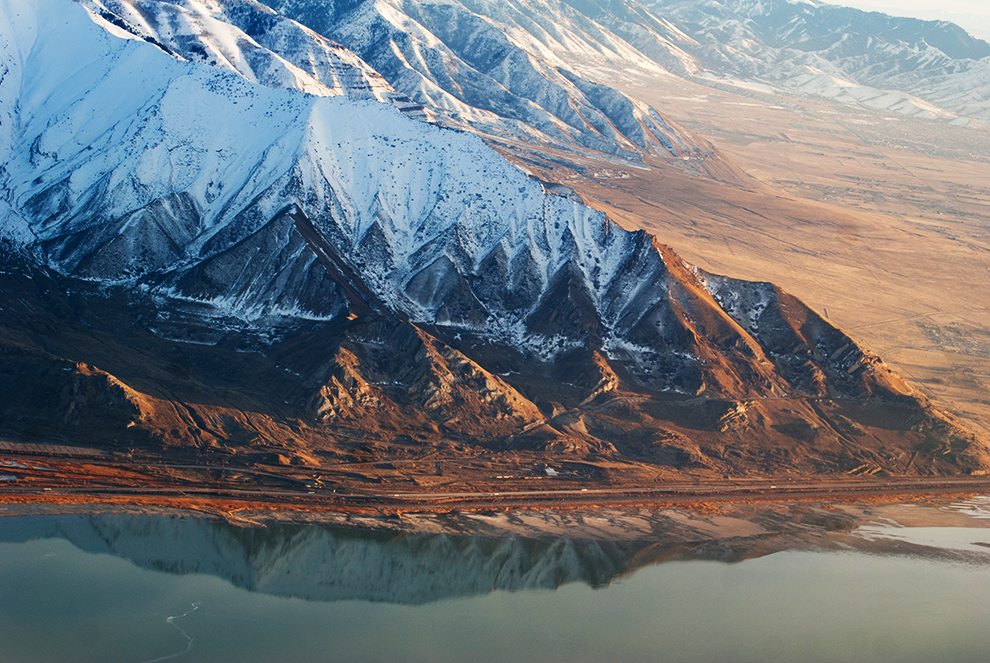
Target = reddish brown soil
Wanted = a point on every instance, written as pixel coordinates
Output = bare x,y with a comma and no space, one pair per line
54,482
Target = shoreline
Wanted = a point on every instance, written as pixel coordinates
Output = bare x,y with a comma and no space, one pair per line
285,506
49,482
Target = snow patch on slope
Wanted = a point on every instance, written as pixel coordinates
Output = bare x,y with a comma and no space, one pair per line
746,304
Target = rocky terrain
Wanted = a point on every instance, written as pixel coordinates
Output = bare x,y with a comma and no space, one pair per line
494,68
429,49
252,271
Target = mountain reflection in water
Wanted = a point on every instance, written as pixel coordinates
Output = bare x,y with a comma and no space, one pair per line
334,563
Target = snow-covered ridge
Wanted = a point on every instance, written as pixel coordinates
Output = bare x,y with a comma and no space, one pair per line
490,67
366,276
931,69
183,178
498,66
223,206
250,39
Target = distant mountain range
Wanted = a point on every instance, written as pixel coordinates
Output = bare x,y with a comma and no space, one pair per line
280,251
922,68
496,76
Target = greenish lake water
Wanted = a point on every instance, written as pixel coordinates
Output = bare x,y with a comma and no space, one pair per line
156,588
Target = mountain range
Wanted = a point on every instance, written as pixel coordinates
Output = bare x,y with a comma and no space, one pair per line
932,69
922,68
223,231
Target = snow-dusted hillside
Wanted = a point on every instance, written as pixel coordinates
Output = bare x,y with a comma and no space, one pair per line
496,67
248,38
930,69
202,188
480,60
192,174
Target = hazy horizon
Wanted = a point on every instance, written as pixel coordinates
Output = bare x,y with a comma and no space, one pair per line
972,15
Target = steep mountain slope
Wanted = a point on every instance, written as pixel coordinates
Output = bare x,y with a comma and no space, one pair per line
248,38
330,270
492,67
534,61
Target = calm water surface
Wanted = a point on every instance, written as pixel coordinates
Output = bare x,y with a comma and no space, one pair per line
141,588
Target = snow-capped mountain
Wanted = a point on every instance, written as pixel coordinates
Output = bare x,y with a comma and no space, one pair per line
523,60
249,39
177,186
388,275
493,67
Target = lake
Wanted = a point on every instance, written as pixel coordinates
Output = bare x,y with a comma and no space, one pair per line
758,583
